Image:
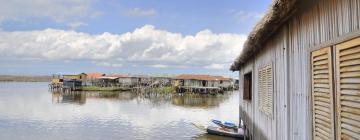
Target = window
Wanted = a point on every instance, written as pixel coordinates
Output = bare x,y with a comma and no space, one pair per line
247,86
265,83
335,105
348,89
322,94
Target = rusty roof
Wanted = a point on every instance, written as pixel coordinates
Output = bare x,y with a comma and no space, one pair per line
95,75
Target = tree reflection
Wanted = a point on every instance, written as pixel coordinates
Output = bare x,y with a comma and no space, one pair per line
155,99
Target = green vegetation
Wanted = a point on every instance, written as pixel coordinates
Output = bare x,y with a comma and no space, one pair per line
23,78
165,90
97,88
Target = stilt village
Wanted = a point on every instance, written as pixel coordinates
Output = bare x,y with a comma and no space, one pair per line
184,83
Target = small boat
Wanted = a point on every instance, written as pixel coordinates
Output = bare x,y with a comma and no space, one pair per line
223,129
238,133
225,124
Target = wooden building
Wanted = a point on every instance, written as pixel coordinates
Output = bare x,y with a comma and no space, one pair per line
92,78
143,80
192,80
71,84
67,81
107,81
300,72
138,80
128,81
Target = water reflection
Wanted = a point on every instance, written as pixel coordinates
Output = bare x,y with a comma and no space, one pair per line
201,101
183,100
58,97
29,111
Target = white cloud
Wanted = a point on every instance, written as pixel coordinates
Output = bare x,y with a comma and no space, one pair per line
243,16
106,64
146,46
159,66
137,12
77,24
216,66
59,11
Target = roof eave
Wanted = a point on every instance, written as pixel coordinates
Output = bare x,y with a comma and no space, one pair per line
279,13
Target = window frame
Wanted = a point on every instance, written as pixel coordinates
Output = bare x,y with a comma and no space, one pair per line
248,86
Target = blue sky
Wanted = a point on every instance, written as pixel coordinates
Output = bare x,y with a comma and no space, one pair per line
118,36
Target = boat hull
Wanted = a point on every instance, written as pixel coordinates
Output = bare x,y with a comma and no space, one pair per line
225,132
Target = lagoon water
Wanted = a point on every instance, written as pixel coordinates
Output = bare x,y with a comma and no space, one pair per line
29,111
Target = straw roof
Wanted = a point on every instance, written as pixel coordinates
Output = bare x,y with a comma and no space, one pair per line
279,13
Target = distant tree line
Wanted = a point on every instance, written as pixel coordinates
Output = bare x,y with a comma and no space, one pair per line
24,78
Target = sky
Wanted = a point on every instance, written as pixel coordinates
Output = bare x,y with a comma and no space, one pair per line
42,37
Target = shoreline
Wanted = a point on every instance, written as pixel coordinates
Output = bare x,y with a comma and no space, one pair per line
24,78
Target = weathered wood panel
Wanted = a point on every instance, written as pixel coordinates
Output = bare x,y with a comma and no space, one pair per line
289,50
265,85
322,95
302,33
246,110
348,89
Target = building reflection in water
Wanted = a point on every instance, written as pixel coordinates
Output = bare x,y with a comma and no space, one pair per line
183,100
80,97
199,101
71,98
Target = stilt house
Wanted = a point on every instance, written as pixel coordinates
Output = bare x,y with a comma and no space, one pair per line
300,72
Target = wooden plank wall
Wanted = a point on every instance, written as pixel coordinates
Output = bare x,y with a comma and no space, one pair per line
326,21
246,110
289,52
265,127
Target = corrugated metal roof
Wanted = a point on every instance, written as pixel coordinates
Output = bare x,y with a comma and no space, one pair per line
201,77
108,77
119,75
95,75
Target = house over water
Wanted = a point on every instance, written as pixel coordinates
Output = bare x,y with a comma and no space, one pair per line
91,78
300,72
201,83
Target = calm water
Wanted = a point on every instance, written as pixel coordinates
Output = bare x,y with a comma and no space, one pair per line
28,111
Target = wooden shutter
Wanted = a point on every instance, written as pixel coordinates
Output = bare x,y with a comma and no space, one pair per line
348,89
261,88
266,90
269,86
322,94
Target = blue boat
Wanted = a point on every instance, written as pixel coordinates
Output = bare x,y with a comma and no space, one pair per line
225,124
238,133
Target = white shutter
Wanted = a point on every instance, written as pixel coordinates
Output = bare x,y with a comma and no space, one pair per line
322,94
348,89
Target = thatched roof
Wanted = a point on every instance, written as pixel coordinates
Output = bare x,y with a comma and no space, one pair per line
279,13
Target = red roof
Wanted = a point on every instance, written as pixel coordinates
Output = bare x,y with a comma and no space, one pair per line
201,77
94,75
